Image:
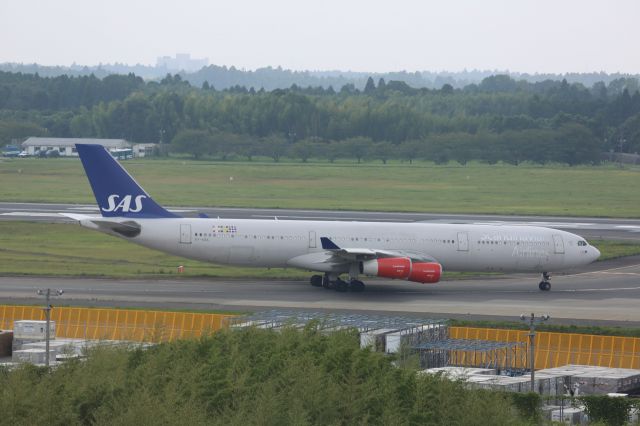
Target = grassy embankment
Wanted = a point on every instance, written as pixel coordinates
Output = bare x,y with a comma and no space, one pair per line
605,191
69,250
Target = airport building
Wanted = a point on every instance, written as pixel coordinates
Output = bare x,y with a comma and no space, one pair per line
66,147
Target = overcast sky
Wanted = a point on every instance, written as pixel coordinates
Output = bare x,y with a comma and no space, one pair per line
525,36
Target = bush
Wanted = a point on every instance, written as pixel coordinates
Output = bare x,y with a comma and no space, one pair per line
612,411
245,377
528,405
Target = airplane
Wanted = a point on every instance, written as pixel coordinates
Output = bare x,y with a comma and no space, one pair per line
416,252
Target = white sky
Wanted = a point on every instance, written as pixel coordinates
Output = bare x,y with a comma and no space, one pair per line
371,35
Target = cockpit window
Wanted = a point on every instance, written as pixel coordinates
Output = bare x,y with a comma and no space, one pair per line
582,243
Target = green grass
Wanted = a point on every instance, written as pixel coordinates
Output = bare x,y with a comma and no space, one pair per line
604,191
615,249
70,250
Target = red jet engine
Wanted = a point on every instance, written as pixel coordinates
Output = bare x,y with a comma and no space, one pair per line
402,268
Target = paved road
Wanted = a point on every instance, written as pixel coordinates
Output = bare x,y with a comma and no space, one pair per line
608,295
590,228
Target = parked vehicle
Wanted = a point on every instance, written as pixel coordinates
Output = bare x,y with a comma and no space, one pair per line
11,151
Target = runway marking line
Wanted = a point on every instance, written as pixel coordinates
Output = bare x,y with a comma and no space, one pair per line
30,214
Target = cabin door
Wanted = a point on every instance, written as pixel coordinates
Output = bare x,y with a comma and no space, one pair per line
558,244
463,241
185,233
312,239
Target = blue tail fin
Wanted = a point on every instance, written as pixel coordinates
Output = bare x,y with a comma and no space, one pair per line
117,193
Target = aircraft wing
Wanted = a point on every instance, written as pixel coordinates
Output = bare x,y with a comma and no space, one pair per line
360,254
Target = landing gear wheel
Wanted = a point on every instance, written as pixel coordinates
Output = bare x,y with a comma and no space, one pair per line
356,286
326,283
545,285
316,280
340,286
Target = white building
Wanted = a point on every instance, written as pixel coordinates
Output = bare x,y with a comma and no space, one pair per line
144,149
67,146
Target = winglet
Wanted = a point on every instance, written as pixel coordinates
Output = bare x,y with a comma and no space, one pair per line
327,244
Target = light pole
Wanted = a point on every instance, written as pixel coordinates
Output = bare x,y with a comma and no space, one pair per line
532,338
47,314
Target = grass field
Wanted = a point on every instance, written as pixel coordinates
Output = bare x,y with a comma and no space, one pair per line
605,191
69,250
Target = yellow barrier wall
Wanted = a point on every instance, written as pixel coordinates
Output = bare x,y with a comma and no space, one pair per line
552,349
556,349
118,324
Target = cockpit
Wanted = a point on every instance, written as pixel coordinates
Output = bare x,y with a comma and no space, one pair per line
582,243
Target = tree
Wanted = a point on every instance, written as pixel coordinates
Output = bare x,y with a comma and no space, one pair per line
303,149
193,141
356,147
273,146
370,87
331,150
82,125
247,146
382,151
608,410
446,89
410,150
577,145
11,130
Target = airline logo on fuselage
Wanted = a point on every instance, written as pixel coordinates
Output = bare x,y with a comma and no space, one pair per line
124,204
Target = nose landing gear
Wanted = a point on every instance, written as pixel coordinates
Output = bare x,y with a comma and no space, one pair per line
545,285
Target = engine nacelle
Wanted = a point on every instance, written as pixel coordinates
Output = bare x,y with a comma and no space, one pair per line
401,268
425,272
397,268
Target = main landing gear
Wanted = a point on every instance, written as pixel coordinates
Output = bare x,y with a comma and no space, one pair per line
332,281
545,285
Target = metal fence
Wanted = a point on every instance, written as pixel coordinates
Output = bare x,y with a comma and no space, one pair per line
556,349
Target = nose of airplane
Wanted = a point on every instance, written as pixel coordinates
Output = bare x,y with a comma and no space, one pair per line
595,253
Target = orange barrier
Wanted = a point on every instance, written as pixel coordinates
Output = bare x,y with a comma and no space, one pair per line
118,324
552,349
556,349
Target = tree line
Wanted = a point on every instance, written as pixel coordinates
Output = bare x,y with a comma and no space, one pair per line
499,119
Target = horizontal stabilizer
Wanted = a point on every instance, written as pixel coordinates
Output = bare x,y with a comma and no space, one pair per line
127,228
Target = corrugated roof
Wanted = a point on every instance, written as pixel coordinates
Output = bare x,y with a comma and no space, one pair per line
109,143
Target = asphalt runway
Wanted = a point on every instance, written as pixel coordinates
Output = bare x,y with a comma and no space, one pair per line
607,294
589,228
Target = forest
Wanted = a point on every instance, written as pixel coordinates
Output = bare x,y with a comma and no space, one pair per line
499,119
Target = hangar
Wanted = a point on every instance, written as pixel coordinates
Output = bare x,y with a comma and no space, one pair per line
66,147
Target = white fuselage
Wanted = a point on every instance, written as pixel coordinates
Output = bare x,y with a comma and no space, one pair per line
290,243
